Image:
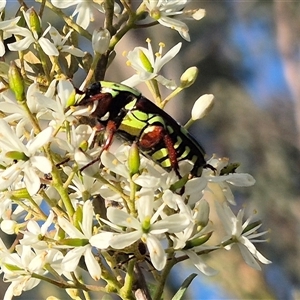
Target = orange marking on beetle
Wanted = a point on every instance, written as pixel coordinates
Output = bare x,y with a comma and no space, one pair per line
152,138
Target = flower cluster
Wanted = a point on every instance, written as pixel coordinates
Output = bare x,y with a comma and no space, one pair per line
65,197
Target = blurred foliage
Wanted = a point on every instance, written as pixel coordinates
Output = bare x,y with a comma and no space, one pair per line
261,135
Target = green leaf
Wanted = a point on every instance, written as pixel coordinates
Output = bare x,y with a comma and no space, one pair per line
184,287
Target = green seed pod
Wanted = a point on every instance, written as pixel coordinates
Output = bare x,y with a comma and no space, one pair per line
134,159
35,22
16,82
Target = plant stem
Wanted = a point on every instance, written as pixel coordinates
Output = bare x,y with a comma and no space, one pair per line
126,290
160,288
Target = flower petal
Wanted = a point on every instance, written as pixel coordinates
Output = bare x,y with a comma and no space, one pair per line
200,264
157,252
172,224
101,240
92,265
71,260
122,218
122,240
48,47
40,140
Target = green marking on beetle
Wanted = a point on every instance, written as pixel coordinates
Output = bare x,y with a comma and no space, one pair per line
166,163
161,153
133,123
170,129
155,119
131,104
109,86
185,153
194,158
178,143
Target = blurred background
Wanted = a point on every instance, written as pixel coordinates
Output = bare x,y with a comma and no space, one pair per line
248,55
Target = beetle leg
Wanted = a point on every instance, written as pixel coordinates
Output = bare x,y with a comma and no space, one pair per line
172,153
155,134
110,131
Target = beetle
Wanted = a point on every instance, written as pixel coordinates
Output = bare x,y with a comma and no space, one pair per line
125,112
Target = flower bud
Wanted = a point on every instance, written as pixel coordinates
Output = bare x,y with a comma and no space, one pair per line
134,159
9,226
100,41
34,21
202,213
188,77
202,106
16,82
198,241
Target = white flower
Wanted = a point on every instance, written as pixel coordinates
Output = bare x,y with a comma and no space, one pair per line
16,113
30,37
79,136
83,186
29,162
194,189
54,108
146,227
235,229
148,64
111,162
34,233
85,10
71,260
5,26
164,12
60,41
216,178
188,240
25,262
